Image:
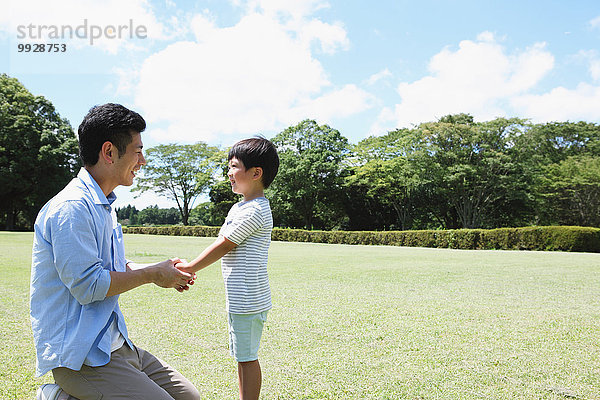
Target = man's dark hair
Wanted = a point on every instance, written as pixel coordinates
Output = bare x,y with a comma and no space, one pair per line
107,123
257,152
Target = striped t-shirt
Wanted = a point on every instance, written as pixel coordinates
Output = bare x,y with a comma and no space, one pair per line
249,225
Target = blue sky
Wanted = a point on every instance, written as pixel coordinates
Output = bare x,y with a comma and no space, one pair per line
219,71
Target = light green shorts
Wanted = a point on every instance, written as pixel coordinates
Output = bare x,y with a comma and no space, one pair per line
245,331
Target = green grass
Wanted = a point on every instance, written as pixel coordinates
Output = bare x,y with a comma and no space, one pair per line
358,322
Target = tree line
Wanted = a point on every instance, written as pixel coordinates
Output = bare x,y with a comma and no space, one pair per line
153,215
38,153
447,174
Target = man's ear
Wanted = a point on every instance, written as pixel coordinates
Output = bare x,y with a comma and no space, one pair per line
108,152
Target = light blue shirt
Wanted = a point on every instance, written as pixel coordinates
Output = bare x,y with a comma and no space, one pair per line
77,242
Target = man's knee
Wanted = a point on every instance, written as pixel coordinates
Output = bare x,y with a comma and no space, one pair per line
190,393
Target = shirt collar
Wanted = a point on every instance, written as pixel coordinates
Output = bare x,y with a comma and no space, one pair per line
94,188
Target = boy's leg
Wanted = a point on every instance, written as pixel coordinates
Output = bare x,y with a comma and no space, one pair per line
245,331
123,378
250,378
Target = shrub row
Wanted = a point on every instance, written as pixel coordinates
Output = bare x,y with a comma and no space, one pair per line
174,230
561,238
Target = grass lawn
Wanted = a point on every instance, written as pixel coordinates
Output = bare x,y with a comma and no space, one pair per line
357,322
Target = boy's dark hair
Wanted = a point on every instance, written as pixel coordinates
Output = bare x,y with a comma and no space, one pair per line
107,123
257,152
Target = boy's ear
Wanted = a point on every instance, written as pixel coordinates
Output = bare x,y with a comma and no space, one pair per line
258,173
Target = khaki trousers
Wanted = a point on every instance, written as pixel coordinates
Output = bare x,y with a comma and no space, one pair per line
130,374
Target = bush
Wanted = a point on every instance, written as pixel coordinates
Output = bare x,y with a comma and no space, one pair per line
547,238
176,230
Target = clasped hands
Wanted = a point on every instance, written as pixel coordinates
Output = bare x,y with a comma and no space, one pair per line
172,273
181,265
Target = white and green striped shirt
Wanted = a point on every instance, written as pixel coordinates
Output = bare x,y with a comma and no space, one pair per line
249,225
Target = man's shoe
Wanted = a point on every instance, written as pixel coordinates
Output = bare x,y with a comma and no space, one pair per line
49,391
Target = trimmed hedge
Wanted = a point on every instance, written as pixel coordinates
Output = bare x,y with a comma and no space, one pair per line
174,230
547,238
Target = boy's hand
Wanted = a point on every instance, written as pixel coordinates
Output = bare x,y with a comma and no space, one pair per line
182,265
166,275
212,253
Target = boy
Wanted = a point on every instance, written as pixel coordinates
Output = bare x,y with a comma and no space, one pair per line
243,243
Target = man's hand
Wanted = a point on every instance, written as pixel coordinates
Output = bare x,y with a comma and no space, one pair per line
164,274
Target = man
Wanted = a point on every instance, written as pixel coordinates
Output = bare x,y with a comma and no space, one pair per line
79,269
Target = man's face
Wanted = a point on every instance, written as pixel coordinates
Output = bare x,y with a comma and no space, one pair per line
129,163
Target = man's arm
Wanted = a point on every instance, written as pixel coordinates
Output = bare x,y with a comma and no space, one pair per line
163,274
211,254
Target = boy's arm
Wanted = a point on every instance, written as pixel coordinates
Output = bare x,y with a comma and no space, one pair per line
132,266
162,274
212,253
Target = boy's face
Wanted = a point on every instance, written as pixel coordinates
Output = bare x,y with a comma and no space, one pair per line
243,181
239,177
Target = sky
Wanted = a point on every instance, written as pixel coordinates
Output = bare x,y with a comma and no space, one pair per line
222,70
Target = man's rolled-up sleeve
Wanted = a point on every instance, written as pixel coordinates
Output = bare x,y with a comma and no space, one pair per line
76,255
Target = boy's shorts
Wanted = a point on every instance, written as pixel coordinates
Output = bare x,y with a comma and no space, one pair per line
245,331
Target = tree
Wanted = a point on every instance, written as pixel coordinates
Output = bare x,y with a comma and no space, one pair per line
307,190
206,214
158,216
572,191
38,153
388,178
556,141
392,182
127,215
180,173
539,150
471,169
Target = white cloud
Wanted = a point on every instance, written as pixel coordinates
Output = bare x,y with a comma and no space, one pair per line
244,79
477,78
43,15
294,15
529,67
595,23
561,104
595,69
386,121
343,102
203,26
592,58
126,76
125,196
295,9
331,37
381,75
